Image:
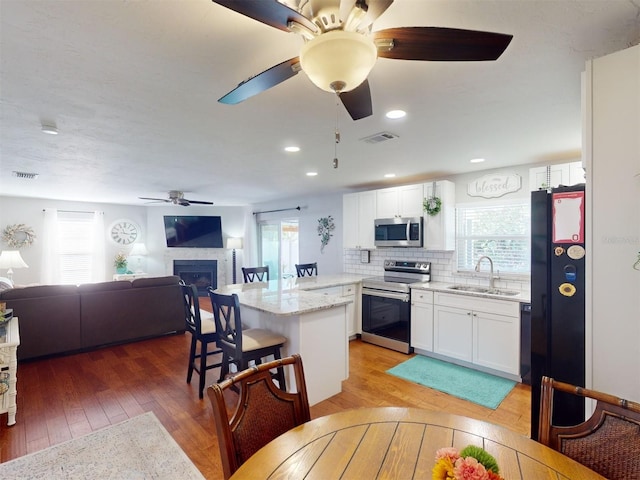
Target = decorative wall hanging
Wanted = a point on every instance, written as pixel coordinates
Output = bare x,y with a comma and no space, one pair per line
636,265
325,227
494,185
18,235
432,205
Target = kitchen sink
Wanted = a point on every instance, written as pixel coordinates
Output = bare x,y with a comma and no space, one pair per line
485,290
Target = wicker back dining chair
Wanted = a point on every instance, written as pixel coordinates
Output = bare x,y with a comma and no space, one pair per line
260,412
203,331
307,269
608,442
255,274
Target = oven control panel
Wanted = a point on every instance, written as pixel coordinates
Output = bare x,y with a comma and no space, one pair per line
407,266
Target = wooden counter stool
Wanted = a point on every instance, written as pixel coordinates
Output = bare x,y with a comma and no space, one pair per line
307,269
255,274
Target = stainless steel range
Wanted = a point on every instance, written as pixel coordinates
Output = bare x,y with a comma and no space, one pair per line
386,304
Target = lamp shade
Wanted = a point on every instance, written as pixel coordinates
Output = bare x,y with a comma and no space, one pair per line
12,259
338,56
234,243
138,249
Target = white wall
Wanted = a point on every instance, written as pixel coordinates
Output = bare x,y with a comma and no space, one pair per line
613,196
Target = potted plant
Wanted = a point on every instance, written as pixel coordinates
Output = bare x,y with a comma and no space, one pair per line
120,262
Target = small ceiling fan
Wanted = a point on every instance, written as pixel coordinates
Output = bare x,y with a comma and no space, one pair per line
340,48
177,198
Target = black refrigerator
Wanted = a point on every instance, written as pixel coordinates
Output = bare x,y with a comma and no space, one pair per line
558,299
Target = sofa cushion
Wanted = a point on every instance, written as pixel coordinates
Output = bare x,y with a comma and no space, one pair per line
155,281
104,286
39,291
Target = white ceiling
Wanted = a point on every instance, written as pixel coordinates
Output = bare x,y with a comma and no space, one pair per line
132,87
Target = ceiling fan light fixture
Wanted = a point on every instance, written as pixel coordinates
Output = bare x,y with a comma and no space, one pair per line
338,56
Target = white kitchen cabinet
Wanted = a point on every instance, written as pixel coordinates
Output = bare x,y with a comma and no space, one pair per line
453,332
353,309
559,174
483,331
496,342
440,229
403,201
422,320
358,215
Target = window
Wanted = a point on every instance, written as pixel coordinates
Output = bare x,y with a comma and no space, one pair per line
499,231
75,252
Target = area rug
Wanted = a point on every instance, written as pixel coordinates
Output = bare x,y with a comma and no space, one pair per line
477,387
136,449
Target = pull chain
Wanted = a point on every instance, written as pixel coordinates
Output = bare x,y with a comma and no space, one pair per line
337,135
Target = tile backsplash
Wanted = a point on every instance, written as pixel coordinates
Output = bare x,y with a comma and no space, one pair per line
443,267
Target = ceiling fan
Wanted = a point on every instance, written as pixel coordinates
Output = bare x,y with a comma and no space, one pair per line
177,198
340,48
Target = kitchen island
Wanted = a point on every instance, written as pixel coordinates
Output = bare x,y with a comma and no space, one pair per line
314,323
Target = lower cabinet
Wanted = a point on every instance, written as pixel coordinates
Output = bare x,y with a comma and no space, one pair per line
353,309
453,332
422,320
479,330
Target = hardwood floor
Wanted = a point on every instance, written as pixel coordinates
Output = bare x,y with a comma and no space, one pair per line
66,397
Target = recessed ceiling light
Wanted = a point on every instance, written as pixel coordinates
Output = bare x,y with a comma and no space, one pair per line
396,114
477,160
389,175
312,174
50,129
292,149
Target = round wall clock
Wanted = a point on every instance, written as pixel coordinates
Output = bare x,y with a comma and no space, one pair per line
124,232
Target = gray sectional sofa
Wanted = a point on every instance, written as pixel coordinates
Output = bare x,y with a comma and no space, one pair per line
60,319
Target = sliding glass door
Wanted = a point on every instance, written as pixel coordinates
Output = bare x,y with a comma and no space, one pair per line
279,247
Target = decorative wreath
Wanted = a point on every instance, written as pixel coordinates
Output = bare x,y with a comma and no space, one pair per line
325,227
432,205
18,235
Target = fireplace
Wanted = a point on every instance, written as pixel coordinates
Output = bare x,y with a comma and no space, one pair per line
201,273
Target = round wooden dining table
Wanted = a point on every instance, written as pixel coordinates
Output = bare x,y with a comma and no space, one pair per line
399,443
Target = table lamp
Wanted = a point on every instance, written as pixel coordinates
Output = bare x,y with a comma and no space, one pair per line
139,250
11,259
233,244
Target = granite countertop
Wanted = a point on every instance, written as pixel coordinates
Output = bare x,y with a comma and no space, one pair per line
523,296
292,296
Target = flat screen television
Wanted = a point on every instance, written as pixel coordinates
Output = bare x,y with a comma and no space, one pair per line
193,231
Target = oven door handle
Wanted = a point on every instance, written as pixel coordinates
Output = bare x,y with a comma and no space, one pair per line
393,295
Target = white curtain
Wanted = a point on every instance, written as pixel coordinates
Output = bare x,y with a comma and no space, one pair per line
98,255
49,273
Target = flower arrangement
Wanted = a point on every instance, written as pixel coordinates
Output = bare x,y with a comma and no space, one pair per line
472,463
120,261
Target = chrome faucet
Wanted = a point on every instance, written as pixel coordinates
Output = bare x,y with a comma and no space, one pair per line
490,271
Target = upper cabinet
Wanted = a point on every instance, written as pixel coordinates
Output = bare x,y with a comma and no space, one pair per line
560,174
399,202
440,229
358,214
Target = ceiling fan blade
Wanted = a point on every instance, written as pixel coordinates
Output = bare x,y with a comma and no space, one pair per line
358,101
269,12
263,81
198,202
376,8
441,44
155,199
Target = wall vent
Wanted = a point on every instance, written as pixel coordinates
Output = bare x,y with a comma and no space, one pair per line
26,175
379,137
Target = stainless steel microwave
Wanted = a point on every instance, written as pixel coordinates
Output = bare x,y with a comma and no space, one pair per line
398,232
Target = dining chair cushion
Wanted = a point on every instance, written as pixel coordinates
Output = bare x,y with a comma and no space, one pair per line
257,338
207,324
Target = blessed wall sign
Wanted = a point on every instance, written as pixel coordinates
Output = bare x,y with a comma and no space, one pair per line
494,185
